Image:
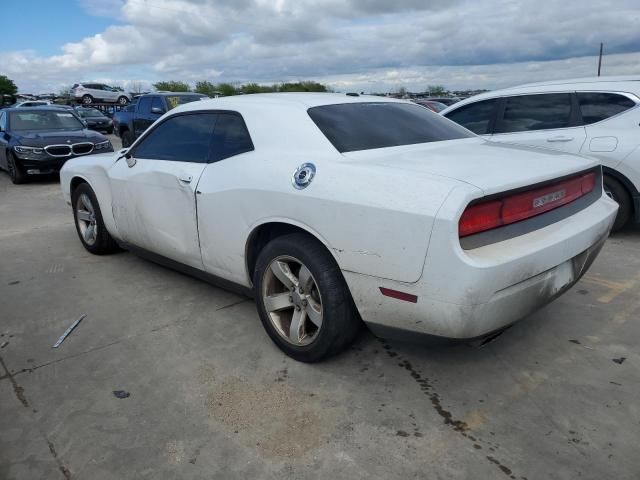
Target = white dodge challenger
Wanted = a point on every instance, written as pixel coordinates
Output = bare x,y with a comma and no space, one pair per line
334,209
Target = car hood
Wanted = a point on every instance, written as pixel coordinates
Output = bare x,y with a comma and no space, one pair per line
493,167
44,138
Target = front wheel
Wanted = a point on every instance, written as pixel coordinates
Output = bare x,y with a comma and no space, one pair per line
87,99
15,171
303,300
614,189
123,100
89,223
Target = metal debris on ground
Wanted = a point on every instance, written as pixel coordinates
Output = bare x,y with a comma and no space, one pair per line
4,344
619,360
121,394
68,331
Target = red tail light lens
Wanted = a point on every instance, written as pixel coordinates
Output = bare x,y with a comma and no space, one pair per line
520,206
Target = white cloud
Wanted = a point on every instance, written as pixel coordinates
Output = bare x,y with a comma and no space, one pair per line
350,43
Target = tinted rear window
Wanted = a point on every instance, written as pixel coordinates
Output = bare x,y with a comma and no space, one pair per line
596,107
364,126
536,112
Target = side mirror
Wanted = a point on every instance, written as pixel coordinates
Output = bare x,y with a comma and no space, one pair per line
157,110
86,125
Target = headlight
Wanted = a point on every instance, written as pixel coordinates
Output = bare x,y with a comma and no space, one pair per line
102,145
33,150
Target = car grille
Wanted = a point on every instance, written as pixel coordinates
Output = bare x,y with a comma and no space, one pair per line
67,150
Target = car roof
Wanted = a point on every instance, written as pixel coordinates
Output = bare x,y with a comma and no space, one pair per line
303,100
46,108
629,84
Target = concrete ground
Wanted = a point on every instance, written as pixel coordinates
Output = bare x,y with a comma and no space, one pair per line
210,397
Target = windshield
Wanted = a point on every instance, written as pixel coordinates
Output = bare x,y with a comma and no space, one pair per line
44,120
363,126
89,112
174,100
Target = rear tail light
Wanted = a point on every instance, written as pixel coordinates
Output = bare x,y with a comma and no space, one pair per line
514,208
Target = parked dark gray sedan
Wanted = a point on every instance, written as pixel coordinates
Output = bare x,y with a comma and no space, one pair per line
40,140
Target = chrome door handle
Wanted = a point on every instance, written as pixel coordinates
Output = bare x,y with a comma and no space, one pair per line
185,178
560,138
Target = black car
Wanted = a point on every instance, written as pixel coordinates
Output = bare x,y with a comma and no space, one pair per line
96,120
39,140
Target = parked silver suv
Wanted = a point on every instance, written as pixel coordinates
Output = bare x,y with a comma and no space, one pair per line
88,93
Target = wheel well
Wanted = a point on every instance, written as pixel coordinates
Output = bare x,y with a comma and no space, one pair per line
626,183
264,234
75,183
123,129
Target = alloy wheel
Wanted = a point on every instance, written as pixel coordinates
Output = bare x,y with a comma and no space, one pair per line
86,218
292,300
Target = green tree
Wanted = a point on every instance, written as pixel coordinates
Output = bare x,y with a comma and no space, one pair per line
306,86
255,88
436,90
206,88
226,89
172,86
7,87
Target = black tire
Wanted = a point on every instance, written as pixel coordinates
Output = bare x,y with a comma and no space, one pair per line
87,99
18,176
127,139
103,243
340,319
619,193
110,131
123,100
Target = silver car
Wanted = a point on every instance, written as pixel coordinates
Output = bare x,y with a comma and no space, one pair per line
89,93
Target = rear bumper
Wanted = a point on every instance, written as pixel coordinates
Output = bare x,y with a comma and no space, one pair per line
466,294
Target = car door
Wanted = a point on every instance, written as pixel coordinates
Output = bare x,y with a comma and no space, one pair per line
154,202
142,117
549,120
4,140
221,223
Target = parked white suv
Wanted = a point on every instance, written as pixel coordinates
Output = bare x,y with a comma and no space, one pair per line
88,93
597,117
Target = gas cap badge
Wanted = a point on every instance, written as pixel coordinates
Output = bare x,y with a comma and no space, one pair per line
303,175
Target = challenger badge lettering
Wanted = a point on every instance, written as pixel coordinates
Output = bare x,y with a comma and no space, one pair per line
548,198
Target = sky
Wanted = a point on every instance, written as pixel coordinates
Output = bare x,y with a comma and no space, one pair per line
350,45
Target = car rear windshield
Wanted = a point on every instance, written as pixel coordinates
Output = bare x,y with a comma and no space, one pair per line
90,113
44,120
174,100
363,126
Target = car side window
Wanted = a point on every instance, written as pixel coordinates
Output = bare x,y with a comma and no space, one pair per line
181,138
524,113
144,105
230,137
475,116
597,106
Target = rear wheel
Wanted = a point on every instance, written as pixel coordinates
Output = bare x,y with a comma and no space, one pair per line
614,189
15,171
123,100
302,299
127,138
89,224
87,99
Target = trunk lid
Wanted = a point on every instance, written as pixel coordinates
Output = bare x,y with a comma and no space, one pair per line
490,166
